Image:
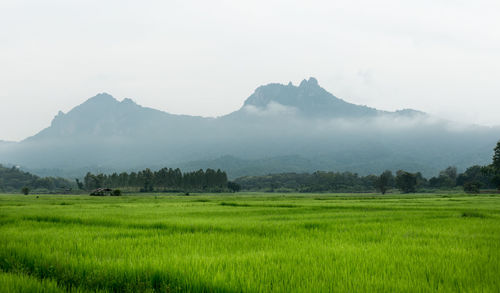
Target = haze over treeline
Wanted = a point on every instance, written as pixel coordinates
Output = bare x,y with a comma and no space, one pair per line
280,128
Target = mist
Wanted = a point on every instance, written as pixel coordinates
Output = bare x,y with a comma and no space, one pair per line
277,123
202,58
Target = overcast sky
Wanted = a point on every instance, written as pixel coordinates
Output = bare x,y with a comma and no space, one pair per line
206,57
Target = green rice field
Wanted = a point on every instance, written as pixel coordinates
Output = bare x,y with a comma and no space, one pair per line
250,242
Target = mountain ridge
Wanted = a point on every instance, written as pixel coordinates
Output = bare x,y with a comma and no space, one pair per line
277,123
107,110
102,100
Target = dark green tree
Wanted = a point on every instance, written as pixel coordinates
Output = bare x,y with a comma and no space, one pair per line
384,181
133,181
146,179
113,180
496,181
449,177
234,187
495,166
79,184
450,172
89,181
472,187
161,178
496,157
406,181
25,190
475,174
123,179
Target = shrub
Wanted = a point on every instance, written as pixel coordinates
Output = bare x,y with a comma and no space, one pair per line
472,187
25,190
233,186
116,192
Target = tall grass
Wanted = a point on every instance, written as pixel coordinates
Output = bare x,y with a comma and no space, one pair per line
253,243
10,283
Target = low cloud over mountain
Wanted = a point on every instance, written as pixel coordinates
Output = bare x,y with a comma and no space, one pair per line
279,128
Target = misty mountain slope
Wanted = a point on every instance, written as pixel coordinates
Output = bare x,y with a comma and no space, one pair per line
238,167
105,132
5,143
279,128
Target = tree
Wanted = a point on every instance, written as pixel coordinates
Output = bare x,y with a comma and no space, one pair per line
146,178
450,172
405,181
448,177
25,190
79,184
472,187
123,179
90,181
14,179
496,181
495,166
384,181
496,157
422,182
234,187
475,173
161,178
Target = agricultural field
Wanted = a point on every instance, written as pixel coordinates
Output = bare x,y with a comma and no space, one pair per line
250,242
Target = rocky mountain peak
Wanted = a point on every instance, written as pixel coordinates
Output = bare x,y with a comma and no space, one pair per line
312,82
309,99
101,98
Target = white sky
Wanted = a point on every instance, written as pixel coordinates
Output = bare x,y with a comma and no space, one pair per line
206,57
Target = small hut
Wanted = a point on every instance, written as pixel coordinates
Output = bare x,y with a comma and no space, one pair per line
102,192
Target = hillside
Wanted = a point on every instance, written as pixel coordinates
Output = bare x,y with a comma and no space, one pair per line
12,180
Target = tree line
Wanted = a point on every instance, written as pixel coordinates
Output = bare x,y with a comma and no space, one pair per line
163,180
13,180
174,180
472,180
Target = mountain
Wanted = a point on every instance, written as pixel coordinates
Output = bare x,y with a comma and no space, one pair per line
279,128
5,146
308,100
104,116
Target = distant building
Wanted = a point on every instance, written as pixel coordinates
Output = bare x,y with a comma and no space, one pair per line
102,192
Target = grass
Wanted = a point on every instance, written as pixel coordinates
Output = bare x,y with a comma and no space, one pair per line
23,283
250,242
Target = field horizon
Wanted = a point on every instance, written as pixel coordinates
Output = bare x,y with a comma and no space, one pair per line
250,242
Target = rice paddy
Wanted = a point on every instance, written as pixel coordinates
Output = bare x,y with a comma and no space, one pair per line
250,242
